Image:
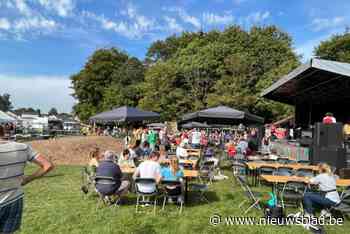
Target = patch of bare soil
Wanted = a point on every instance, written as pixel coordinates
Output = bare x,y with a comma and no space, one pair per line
74,150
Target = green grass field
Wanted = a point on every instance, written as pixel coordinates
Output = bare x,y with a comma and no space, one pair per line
55,204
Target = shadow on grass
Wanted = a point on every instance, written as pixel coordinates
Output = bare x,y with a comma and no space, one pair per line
53,175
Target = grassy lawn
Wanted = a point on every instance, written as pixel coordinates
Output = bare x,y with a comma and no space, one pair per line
55,204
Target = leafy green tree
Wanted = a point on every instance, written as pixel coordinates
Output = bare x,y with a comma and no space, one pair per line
230,68
53,111
108,79
5,102
336,48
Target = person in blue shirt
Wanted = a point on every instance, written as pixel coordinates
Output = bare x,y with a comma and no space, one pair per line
173,173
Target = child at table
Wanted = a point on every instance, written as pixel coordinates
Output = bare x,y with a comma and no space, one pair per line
125,160
173,173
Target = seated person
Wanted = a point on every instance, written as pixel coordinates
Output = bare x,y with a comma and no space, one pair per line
181,151
149,169
209,155
125,160
94,157
146,149
162,153
107,168
231,150
138,150
173,173
328,197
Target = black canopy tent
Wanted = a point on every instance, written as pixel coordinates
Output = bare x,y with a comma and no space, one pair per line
190,125
124,114
314,88
223,115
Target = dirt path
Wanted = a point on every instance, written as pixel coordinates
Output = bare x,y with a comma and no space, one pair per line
74,150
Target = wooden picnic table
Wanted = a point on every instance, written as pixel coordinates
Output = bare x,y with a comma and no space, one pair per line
254,167
294,166
186,161
276,179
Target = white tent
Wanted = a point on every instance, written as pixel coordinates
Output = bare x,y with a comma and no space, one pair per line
5,118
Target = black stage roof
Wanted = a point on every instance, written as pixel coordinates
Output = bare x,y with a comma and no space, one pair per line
316,82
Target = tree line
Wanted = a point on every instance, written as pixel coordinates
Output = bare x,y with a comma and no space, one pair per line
195,70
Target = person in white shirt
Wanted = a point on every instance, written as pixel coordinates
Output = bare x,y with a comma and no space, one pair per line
149,169
328,197
181,151
196,139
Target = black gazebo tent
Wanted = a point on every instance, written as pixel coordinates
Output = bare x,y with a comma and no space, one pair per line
195,125
314,88
124,114
223,115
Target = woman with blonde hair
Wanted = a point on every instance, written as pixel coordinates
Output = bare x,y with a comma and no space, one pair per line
173,173
328,195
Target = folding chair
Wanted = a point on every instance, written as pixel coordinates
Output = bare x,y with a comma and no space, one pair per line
108,200
284,171
293,191
283,160
305,162
343,207
269,161
154,194
265,170
303,172
206,171
249,194
238,168
167,195
201,189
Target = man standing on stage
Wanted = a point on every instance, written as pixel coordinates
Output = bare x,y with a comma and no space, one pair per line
329,119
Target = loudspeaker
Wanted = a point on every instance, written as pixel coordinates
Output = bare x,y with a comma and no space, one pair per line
328,135
335,157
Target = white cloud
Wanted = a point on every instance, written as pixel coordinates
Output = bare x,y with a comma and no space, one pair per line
140,21
184,16
134,27
23,7
319,24
5,24
34,23
62,7
212,18
189,19
257,17
172,25
38,92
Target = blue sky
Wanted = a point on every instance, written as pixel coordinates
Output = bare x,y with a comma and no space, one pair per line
43,42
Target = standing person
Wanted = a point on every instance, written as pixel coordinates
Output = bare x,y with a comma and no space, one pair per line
327,184
152,139
329,118
196,138
144,136
13,180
